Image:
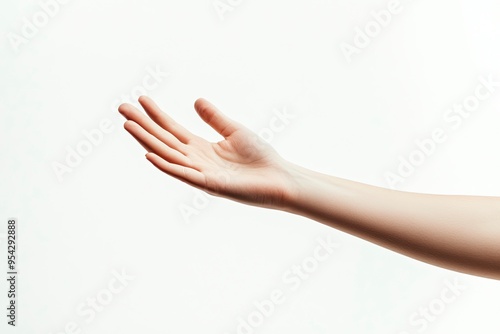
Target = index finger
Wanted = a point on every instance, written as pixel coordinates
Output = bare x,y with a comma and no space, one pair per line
165,121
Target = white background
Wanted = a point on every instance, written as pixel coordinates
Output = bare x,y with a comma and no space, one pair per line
115,212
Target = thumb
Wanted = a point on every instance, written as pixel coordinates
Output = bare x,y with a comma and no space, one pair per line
215,118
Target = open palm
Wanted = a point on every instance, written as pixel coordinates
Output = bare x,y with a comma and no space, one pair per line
241,167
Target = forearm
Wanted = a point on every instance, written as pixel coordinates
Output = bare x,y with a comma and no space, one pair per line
461,233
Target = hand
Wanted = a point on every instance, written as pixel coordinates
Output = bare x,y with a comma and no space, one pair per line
242,167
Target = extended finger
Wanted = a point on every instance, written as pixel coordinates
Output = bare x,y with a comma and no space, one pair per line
133,114
164,120
153,144
185,174
146,147
224,125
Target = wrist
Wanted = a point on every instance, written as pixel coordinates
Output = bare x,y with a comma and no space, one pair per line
295,186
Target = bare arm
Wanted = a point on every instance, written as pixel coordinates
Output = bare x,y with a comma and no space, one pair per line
461,233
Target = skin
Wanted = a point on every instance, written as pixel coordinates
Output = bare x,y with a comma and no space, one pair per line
460,233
